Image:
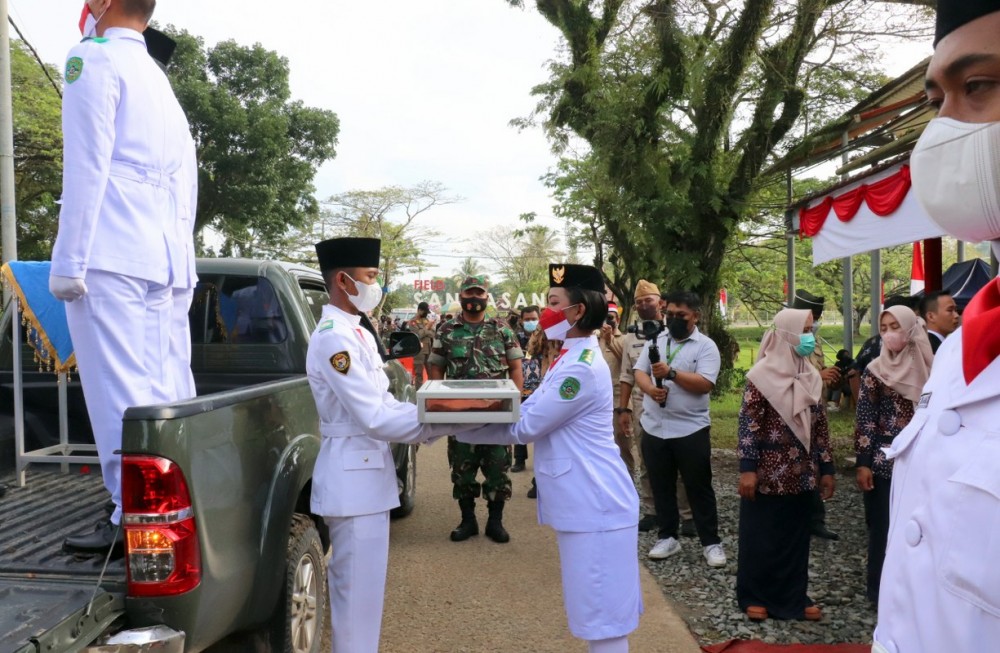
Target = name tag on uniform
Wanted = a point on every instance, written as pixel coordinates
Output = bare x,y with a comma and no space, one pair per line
925,400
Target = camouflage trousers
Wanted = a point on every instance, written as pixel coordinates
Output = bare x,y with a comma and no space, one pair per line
466,460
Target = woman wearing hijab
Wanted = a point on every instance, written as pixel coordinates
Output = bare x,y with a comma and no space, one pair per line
889,392
585,492
784,454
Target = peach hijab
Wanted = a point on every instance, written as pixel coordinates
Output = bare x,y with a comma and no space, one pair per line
906,371
788,381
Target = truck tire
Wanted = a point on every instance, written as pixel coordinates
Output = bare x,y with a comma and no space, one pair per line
408,478
303,613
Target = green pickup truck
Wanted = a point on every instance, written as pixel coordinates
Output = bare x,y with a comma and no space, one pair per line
223,552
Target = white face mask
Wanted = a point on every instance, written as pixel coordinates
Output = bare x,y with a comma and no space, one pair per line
368,297
955,169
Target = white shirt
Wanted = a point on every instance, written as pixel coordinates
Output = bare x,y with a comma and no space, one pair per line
354,473
125,140
940,587
686,412
583,485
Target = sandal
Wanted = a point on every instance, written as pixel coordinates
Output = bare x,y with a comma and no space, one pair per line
756,613
813,613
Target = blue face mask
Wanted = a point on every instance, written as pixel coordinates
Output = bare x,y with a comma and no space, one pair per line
807,344
530,325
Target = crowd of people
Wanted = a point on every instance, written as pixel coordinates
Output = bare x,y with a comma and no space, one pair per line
662,371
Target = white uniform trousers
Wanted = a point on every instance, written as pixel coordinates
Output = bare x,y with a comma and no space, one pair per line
601,583
360,556
180,345
120,332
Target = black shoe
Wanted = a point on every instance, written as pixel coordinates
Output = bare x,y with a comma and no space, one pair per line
469,526
647,523
494,525
517,467
822,532
688,529
3,489
104,536
533,492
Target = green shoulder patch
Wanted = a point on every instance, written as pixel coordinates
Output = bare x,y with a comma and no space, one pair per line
99,39
74,68
341,362
587,356
325,325
570,388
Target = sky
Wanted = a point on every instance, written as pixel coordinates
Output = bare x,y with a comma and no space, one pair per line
424,91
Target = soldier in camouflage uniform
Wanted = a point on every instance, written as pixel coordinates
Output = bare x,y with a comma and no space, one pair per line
473,347
422,326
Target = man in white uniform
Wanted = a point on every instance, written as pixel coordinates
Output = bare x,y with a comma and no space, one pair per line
354,481
941,582
125,139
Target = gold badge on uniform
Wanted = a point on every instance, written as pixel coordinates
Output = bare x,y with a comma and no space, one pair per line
558,274
341,362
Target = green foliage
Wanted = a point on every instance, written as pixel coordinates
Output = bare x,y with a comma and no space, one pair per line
682,105
521,255
258,150
37,154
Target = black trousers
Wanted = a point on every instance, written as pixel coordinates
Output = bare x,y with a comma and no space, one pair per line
691,456
520,453
877,518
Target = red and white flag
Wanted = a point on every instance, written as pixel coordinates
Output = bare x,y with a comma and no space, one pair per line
917,271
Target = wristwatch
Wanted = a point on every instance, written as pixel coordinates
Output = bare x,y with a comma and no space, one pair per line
619,411
672,374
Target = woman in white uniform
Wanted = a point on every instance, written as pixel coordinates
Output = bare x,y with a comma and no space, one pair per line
585,492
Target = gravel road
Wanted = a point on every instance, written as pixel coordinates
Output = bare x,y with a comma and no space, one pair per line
481,597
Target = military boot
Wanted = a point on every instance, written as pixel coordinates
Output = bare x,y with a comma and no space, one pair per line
469,525
494,525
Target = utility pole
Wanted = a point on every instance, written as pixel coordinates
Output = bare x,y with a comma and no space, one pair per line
8,220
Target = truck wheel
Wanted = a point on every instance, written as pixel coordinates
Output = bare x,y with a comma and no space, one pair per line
305,606
408,477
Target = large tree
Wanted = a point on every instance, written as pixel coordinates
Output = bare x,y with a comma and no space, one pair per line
682,104
37,154
258,149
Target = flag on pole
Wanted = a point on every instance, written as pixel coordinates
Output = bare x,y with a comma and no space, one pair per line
723,301
917,271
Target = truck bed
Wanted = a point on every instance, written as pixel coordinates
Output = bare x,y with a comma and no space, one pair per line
35,519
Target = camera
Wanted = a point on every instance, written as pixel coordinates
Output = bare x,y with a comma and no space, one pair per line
609,320
650,330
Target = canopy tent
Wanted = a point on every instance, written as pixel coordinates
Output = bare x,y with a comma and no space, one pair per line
873,212
963,280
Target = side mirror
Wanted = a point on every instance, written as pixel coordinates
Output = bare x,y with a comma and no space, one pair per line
403,344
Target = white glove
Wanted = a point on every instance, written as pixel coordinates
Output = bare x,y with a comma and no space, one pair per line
66,289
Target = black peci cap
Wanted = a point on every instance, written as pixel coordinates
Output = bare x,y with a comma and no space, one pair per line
568,275
952,14
805,300
159,46
348,253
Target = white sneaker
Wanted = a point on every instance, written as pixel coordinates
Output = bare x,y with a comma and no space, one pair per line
664,549
715,556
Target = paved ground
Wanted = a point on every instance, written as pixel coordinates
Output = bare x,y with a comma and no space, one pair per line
481,597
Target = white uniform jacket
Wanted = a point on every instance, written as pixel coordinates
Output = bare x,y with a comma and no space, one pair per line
123,148
354,473
583,485
185,192
940,589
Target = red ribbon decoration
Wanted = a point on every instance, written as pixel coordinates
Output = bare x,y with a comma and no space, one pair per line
883,198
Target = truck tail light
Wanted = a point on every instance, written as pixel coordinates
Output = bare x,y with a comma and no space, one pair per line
161,538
